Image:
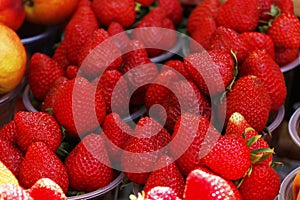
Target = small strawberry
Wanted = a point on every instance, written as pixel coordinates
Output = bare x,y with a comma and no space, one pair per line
45,188
88,165
6,176
9,133
60,55
262,184
71,71
11,157
177,66
236,125
173,9
108,11
118,35
13,192
42,73
41,162
285,31
231,14
209,187
37,127
161,193
284,56
285,6
145,3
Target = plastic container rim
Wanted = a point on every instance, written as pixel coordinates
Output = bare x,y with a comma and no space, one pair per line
292,126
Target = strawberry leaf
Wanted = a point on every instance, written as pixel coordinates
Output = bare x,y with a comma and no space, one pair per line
252,140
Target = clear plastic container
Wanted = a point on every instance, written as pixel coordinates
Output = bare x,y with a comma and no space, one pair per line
294,127
276,118
285,192
109,192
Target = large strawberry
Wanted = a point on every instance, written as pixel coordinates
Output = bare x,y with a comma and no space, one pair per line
143,150
12,191
88,165
43,71
209,187
232,15
173,9
259,63
37,127
6,176
262,184
192,139
9,133
41,162
108,11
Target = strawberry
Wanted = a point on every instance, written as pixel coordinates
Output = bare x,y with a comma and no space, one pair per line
11,157
42,73
285,24
173,9
79,28
117,133
212,186
156,32
259,63
145,3
71,71
118,35
264,7
88,164
177,66
113,87
250,98
45,188
144,149
284,56
285,6
212,71
37,127
108,11
6,176
60,54
42,162
8,132
231,14
12,191
98,47
236,125
77,108
166,174
161,193
205,9
191,140
262,184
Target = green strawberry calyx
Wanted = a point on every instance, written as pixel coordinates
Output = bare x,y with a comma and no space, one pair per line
274,13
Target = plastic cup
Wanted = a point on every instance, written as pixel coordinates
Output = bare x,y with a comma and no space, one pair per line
285,192
109,192
293,127
276,118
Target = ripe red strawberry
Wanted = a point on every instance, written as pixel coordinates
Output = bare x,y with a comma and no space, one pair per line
229,40
37,127
143,150
201,36
259,63
8,132
42,73
12,191
88,165
231,14
113,88
81,25
178,67
173,9
205,9
108,11
262,184
285,6
249,97
160,192
257,40
11,157
41,162
145,3
192,139
284,56
118,35
156,32
117,133
166,174
98,47
45,188
212,71
71,71
236,125
285,31
230,157
6,176
77,108
264,7
212,186
60,54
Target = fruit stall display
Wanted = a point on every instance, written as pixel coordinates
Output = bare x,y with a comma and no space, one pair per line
146,99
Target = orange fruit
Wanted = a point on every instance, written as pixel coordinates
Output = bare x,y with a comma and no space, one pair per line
12,59
296,186
6,176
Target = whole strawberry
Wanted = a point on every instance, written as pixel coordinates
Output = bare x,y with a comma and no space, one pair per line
42,73
9,133
173,9
41,162
13,191
37,127
88,165
236,125
232,14
108,11
262,184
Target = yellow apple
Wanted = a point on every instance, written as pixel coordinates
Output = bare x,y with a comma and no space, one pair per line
12,13
49,12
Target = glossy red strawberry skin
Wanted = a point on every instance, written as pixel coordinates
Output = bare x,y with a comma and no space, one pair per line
284,56
71,71
118,35
43,71
41,162
178,67
60,55
12,191
264,7
8,132
285,6
88,165
108,11
161,192
173,9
